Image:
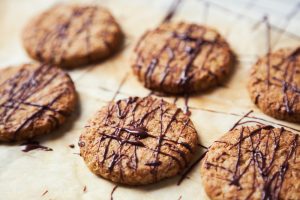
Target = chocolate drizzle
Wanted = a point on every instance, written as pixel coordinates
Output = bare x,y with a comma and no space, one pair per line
251,119
44,193
153,164
184,45
287,84
172,10
112,192
287,67
59,38
18,92
131,131
140,132
267,163
189,169
186,105
33,145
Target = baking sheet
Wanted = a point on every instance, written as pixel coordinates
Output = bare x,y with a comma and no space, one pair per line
61,173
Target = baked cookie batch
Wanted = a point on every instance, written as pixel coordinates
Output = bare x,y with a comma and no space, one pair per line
137,140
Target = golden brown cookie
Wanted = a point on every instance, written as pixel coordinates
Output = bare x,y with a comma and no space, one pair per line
181,58
72,35
274,84
257,162
138,141
34,99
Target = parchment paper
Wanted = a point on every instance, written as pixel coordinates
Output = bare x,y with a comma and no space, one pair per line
61,173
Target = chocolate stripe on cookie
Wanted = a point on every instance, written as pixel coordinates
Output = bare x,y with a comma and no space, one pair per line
72,35
167,59
274,81
259,160
24,98
125,129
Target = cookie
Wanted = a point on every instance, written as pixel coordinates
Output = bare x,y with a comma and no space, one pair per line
181,58
274,84
137,141
72,35
34,100
256,162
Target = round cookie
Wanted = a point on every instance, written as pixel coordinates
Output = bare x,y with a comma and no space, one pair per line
274,84
181,58
137,141
72,35
256,162
34,99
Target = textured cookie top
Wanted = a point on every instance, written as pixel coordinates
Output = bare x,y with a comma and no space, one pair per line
258,162
72,35
138,141
274,84
34,99
181,58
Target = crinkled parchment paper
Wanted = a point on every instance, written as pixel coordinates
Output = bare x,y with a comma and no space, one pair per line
61,173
